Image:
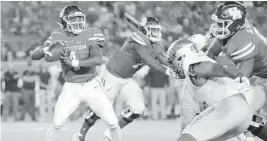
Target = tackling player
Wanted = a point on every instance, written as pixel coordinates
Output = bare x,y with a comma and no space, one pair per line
207,87
240,41
142,47
80,53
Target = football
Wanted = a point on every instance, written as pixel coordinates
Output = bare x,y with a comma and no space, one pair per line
55,50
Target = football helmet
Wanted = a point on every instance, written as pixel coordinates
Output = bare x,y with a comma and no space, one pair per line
228,18
72,19
177,51
151,27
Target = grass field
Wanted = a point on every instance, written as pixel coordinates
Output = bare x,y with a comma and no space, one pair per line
138,131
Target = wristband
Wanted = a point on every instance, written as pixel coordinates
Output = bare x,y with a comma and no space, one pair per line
75,63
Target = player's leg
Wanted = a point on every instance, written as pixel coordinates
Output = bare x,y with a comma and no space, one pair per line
94,94
162,99
154,102
89,120
132,94
67,103
90,116
223,120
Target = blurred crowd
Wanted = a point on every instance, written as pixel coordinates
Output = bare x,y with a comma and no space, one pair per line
31,87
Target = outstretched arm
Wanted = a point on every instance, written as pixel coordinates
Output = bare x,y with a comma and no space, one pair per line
244,68
159,53
149,59
208,69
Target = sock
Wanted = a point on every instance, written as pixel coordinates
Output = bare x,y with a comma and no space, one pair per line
116,133
123,122
52,134
87,124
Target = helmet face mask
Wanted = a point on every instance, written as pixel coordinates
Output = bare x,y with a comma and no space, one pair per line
75,22
220,28
153,32
152,28
72,19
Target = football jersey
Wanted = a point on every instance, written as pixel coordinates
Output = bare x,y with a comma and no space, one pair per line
126,61
214,90
78,48
246,44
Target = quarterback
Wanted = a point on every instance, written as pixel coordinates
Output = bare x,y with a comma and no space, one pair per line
142,47
79,51
212,92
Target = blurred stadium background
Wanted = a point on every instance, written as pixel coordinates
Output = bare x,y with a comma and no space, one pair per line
29,89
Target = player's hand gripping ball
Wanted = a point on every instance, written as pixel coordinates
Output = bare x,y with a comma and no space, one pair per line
54,51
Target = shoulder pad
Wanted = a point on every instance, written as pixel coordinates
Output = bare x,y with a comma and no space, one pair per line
55,36
242,46
94,34
139,38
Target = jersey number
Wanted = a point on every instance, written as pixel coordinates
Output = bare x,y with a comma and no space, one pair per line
73,55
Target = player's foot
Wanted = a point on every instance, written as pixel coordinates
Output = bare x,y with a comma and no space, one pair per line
77,137
107,135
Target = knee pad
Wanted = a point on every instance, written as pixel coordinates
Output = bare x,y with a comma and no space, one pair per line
90,117
128,115
258,127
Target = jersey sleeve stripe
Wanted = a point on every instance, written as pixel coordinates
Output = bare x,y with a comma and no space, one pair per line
240,56
138,39
241,50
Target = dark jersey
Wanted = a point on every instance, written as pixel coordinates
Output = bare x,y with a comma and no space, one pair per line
246,44
78,48
126,61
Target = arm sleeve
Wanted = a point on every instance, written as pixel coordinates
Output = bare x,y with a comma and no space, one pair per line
146,56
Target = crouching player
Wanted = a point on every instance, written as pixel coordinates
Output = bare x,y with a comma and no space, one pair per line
228,112
80,54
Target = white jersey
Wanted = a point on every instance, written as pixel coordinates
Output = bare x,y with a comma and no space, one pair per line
215,89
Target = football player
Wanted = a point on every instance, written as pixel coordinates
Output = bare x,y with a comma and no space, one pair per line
225,107
240,41
142,47
79,51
